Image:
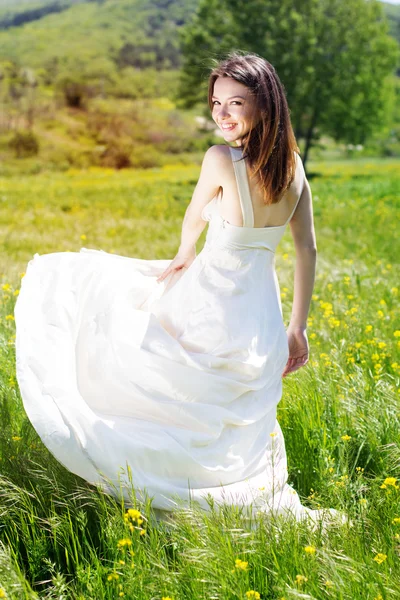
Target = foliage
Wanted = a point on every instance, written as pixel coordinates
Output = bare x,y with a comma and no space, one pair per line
333,57
24,143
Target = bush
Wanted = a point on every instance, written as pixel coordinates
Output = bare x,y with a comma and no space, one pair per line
24,143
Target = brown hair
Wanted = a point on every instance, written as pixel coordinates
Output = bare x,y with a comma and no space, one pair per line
270,146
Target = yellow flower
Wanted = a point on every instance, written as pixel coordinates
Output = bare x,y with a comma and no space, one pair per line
285,256
6,287
273,434
396,520
10,318
363,501
83,237
397,333
142,532
301,579
121,594
133,514
380,558
310,549
368,329
2,593
124,542
379,597
112,576
241,564
328,583
252,594
389,481
166,598
346,438
16,438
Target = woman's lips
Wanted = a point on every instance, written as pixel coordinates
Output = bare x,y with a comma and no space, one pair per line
226,128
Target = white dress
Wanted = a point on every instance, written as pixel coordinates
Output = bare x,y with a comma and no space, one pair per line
174,384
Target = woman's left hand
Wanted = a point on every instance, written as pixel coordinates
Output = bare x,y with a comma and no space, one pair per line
181,261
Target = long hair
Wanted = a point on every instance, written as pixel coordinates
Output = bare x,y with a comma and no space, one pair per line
269,146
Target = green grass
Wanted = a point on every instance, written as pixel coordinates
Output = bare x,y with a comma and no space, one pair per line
59,535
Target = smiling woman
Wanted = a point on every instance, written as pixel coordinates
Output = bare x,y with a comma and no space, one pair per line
168,373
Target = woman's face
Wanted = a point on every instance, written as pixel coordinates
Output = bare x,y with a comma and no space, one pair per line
234,107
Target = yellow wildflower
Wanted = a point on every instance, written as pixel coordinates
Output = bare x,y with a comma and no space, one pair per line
253,594
241,564
368,329
10,318
273,434
166,598
124,542
328,583
397,333
301,579
380,558
133,514
112,576
346,438
83,237
396,520
16,438
6,287
2,593
389,481
310,549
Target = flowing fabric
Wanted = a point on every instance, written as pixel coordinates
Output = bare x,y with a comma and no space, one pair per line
171,385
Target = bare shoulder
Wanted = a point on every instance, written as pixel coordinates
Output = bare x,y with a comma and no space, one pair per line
216,162
218,153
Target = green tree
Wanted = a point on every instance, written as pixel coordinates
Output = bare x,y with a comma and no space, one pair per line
334,58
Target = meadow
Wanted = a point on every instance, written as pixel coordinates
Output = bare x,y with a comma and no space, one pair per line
62,538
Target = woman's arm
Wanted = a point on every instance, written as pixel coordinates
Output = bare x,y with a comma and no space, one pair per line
207,187
302,228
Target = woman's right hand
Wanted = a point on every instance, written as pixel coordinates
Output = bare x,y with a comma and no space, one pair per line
298,349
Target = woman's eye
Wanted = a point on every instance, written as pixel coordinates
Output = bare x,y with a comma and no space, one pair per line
236,101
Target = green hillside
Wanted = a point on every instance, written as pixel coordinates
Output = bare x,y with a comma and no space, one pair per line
140,33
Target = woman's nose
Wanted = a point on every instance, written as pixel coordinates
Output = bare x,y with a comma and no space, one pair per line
224,112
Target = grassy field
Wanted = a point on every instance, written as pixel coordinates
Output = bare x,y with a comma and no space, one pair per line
61,538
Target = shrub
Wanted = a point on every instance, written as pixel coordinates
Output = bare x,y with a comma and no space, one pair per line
24,143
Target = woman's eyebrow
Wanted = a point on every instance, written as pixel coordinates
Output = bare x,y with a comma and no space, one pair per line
243,98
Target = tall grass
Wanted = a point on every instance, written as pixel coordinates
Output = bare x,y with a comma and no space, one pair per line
62,538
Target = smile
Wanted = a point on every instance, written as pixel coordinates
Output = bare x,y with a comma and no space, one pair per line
228,127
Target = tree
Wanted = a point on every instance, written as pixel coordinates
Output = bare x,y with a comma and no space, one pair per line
334,58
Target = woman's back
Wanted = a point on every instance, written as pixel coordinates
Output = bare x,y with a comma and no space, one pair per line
274,215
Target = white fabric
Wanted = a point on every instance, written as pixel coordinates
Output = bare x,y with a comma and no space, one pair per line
180,381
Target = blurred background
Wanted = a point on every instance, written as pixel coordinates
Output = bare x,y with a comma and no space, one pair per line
123,83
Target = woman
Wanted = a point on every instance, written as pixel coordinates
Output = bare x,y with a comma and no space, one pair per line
169,372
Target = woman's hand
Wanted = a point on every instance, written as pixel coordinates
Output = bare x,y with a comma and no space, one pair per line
298,349
182,260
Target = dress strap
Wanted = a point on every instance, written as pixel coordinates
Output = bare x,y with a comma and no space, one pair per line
242,181
298,199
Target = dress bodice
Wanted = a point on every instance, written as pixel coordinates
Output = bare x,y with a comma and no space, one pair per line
246,236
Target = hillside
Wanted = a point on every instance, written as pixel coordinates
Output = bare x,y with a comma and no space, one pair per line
138,33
